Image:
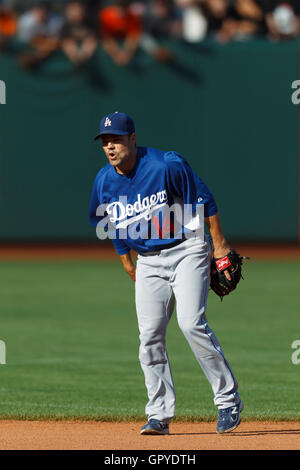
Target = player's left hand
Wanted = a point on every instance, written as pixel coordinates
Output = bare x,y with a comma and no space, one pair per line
231,263
220,253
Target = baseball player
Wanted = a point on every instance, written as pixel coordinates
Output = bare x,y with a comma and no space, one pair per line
135,195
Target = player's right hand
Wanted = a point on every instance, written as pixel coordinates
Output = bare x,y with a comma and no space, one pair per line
128,265
131,273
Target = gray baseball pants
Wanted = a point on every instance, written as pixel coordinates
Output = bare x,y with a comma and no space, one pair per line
178,274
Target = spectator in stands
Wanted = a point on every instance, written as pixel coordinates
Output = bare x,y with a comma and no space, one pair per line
244,19
40,29
8,25
39,22
79,40
240,20
283,19
121,29
160,19
194,22
215,12
126,25
159,22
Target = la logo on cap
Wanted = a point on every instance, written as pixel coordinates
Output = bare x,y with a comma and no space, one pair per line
107,122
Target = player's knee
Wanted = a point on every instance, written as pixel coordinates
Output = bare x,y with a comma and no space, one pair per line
151,354
189,327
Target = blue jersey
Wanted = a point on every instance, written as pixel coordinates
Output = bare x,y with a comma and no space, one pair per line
137,206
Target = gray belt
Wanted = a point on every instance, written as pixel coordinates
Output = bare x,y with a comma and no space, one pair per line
157,252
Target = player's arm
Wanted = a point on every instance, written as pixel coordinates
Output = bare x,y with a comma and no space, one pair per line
221,247
121,248
128,265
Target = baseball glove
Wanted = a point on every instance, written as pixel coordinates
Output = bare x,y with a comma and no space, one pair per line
219,282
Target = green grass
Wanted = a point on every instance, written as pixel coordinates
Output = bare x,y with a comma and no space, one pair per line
72,344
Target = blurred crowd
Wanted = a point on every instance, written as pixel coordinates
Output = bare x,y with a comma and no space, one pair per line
122,26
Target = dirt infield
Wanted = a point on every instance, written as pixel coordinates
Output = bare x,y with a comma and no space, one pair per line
70,435
66,435
107,252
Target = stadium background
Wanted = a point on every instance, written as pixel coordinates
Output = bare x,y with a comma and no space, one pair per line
67,309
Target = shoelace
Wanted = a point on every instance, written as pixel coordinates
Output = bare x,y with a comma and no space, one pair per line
224,412
159,423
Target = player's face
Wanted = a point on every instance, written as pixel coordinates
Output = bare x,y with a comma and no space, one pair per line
120,150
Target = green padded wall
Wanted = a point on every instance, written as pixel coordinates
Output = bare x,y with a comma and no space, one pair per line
227,109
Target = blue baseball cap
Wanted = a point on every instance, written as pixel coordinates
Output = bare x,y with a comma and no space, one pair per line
116,123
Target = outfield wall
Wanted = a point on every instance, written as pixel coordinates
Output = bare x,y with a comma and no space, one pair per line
227,109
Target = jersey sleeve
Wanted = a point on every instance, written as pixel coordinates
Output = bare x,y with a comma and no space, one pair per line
184,183
120,246
94,204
